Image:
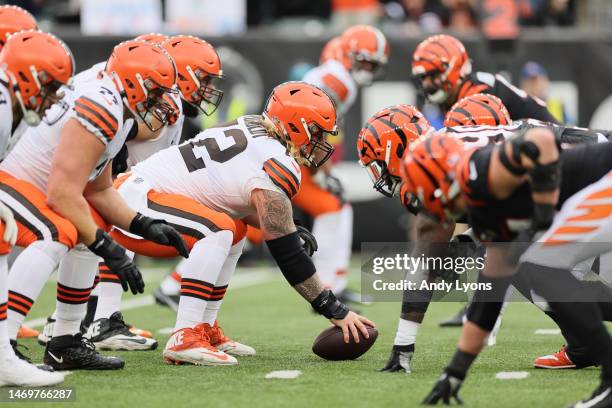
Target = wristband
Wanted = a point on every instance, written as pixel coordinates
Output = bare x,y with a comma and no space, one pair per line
328,305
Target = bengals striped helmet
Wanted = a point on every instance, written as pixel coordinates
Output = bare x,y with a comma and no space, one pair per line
478,110
14,19
429,173
367,50
439,65
384,139
303,115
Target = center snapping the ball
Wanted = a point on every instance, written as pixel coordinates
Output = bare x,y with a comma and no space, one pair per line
330,344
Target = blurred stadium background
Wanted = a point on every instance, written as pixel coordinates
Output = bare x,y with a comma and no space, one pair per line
560,50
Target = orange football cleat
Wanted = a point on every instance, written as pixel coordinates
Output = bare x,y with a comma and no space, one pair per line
219,340
192,346
558,360
26,332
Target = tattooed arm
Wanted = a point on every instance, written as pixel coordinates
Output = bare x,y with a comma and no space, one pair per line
276,220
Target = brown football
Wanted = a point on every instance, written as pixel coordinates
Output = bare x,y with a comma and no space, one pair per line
330,344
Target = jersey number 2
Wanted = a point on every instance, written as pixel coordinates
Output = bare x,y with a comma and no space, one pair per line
215,153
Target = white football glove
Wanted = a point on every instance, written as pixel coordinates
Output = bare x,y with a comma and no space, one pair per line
10,226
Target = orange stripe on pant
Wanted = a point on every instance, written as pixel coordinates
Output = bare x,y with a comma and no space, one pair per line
186,205
313,199
36,201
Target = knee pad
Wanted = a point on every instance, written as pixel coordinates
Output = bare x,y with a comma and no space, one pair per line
484,314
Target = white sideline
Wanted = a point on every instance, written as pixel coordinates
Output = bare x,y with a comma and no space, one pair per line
244,279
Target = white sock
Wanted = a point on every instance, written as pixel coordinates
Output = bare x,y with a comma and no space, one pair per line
344,242
227,271
77,272
406,332
27,277
4,338
325,229
198,273
171,285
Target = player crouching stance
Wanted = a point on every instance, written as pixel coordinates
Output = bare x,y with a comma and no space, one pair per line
33,65
247,169
450,182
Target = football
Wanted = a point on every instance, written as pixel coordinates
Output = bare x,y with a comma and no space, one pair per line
330,344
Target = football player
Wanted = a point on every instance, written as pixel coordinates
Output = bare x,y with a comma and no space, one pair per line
205,191
58,194
489,184
33,65
14,19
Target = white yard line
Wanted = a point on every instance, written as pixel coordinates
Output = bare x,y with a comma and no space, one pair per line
244,279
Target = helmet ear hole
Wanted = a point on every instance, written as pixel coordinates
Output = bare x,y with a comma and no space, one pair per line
293,128
23,77
129,83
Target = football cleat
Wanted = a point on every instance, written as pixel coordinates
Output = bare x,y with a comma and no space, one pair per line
456,320
192,346
74,352
220,341
161,298
47,332
559,360
601,398
26,332
140,332
445,390
400,359
114,334
17,372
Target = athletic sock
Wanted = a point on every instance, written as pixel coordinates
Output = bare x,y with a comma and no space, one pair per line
325,229
227,271
109,292
406,332
344,242
76,277
460,364
171,285
198,273
27,277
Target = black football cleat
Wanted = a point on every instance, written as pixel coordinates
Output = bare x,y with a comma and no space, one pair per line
171,301
73,352
114,334
400,359
456,320
601,398
444,391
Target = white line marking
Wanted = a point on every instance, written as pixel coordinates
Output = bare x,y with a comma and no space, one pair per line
246,278
512,375
548,332
284,374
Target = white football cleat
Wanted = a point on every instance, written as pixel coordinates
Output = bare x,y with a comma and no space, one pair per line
113,334
219,340
192,346
17,372
47,332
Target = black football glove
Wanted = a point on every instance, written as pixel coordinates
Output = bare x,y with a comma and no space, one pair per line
118,262
399,360
309,242
446,389
159,232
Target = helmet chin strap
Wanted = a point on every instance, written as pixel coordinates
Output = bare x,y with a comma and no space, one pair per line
30,116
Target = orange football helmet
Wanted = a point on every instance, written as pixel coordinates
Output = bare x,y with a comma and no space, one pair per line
333,50
14,19
478,110
439,65
36,65
198,66
144,72
367,51
429,173
384,139
303,114
155,38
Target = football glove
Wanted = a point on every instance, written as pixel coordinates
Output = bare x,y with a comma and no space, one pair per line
446,389
399,360
159,232
118,262
10,226
309,242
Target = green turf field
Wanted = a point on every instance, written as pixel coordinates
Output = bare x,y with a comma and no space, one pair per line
264,312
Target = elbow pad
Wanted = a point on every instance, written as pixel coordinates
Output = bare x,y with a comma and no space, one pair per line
291,258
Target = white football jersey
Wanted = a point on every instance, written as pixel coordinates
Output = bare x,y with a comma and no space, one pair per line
96,104
337,81
6,120
139,150
221,166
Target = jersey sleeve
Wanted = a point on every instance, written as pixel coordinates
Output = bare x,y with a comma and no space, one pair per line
520,105
99,111
283,175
